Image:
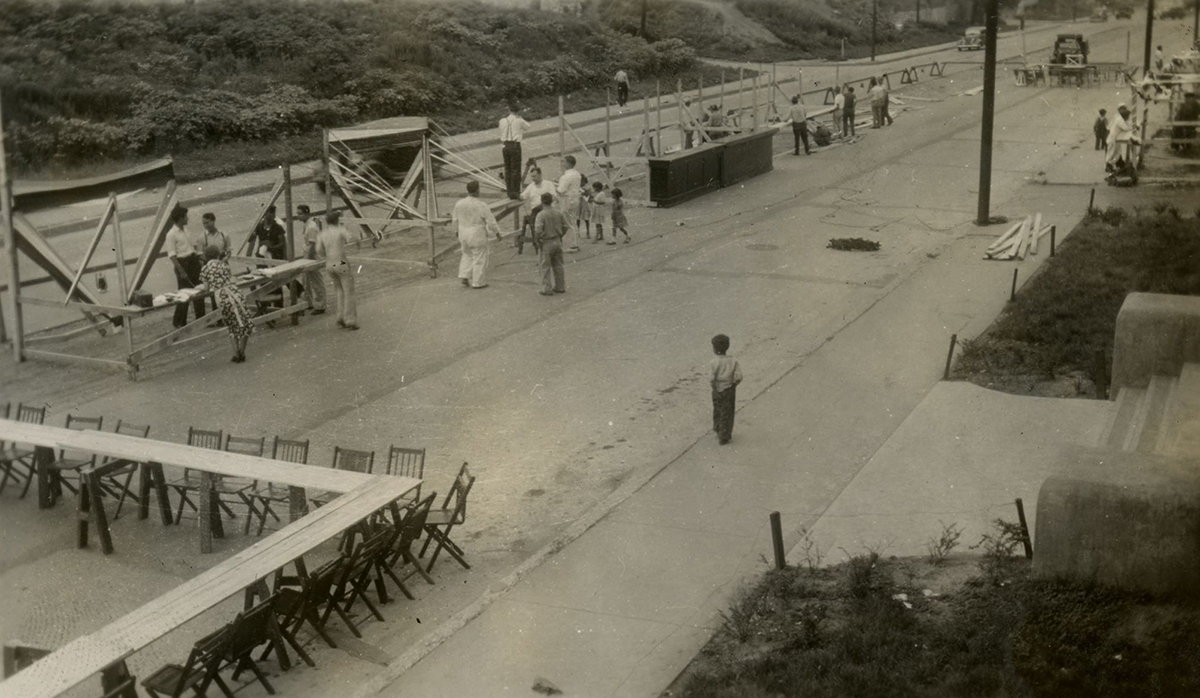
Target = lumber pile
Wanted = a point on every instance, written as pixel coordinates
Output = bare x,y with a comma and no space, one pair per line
1020,240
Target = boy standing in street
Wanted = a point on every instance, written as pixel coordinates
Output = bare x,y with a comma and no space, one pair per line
725,375
1100,128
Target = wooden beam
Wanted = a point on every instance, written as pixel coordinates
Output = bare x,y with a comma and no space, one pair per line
109,210
73,359
154,243
275,192
10,248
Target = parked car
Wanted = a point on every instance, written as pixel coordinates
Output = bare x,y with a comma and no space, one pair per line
1123,13
1069,45
972,39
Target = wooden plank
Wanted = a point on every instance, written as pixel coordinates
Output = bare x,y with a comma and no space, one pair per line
109,210
1023,236
154,242
1033,233
1002,241
74,359
94,307
81,659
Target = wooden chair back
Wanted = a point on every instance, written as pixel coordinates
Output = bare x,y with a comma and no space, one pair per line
205,657
251,629
290,450
124,689
203,438
129,429
456,498
406,462
30,414
356,461
82,424
414,523
246,445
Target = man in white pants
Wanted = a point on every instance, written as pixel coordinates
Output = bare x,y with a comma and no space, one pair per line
567,201
475,220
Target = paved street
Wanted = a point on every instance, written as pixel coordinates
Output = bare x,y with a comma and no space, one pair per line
567,407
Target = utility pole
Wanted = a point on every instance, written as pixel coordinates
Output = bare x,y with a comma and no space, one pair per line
874,21
643,31
992,14
1149,36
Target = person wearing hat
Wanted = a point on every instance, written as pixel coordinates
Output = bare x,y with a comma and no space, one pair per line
1120,132
314,281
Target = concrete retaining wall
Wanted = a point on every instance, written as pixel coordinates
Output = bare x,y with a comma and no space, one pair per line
1125,519
1156,334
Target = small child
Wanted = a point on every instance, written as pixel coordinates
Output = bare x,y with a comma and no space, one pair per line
1100,128
600,212
583,217
725,374
618,216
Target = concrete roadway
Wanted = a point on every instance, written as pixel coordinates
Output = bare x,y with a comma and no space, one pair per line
566,405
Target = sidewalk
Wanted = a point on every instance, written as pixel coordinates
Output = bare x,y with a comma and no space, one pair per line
622,609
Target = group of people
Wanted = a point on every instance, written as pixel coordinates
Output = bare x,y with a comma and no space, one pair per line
200,260
554,214
1114,136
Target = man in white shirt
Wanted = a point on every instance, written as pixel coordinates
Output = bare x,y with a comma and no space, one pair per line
622,79
314,281
1119,134
475,221
331,244
181,250
512,132
567,200
533,204
839,106
799,117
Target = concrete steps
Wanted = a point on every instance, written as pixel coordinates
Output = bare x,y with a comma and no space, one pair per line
1141,415
1180,433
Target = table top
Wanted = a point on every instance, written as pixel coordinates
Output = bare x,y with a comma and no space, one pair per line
149,450
85,657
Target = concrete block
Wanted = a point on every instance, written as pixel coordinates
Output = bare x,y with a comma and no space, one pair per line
1156,334
1130,520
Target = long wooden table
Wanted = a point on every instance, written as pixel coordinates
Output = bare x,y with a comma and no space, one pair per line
106,650
152,454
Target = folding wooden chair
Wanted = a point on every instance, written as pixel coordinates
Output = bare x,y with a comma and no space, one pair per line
251,630
407,462
126,688
442,521
346,459
190,482
17,461
74,462
306,604
229,487
286,450
410,530
115,483
203,665
356,580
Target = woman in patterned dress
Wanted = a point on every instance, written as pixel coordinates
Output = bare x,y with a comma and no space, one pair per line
217,278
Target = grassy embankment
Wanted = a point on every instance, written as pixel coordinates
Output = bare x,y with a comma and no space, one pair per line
948,626
1047,341
233,85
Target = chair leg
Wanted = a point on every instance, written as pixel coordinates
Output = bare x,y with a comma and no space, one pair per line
29,478
124,493
314,620
250,512
262,678
332,607
408,557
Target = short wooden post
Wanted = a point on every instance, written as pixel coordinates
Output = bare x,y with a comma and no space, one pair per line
658,109
721,102
607,117
649,136
741,88
754,96
777,541
1053,230
700,93
950,356
1092,200
679,103
1012,296
1025,539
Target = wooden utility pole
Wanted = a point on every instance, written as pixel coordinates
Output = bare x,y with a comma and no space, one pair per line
989,107
1149,36
10,248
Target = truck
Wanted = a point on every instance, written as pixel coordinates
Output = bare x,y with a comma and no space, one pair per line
1069,48
1123,12
972,39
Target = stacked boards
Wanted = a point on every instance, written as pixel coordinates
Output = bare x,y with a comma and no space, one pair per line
1020,240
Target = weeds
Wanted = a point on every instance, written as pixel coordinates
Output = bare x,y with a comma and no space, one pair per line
999,550
938,548
739,622
866,575
813,555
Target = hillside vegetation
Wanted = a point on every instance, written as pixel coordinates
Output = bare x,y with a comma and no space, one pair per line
88,81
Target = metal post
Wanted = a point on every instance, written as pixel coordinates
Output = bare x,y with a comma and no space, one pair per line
950,356
874,21
562,128
1012,295
658,112
1092,200
10,249
1053,230
777,541
1024,529
1149,36
679,104
328,173
989,105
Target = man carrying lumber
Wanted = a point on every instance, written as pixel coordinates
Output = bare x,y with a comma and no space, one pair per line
474,219
512,132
